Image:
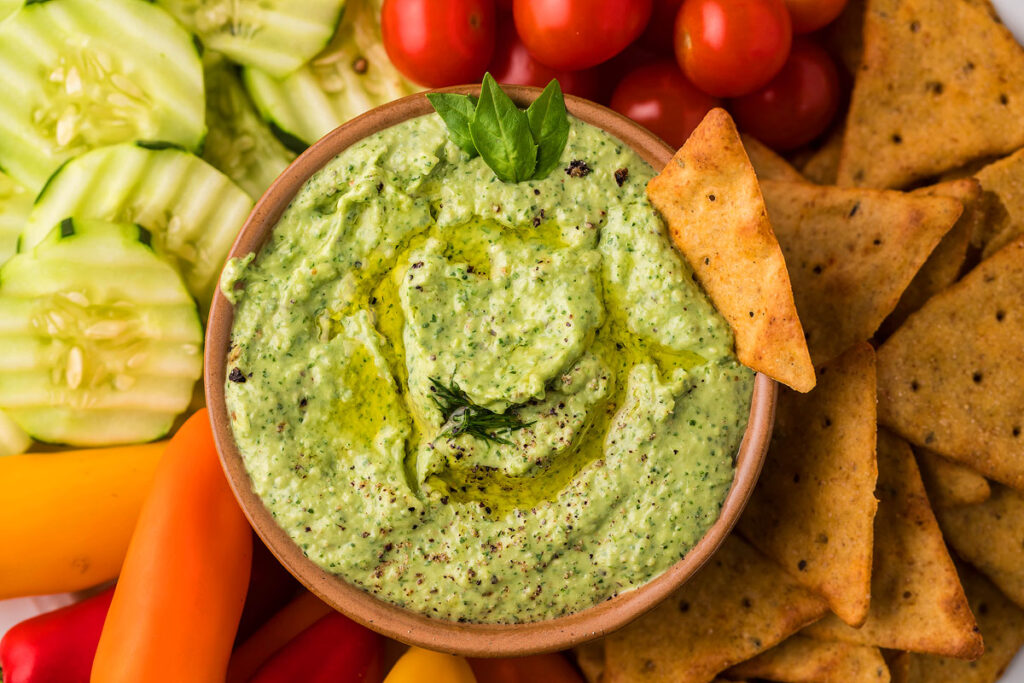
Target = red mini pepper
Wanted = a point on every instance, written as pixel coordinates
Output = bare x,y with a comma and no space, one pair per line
56,647
333,650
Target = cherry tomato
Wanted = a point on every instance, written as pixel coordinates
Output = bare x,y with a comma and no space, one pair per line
658,97
616,68
512,63
729,48
549,668
660,31
577,34
797,105
439,42
810,15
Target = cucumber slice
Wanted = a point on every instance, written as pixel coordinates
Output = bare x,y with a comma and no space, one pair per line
102,342
239,143
15,205
79,74
276,36
13,439
192,210
351,76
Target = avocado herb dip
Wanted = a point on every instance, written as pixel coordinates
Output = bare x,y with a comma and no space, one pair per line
404,266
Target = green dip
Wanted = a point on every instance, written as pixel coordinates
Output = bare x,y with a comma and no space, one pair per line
559,300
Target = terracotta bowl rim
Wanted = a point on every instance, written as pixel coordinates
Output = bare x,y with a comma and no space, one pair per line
471,639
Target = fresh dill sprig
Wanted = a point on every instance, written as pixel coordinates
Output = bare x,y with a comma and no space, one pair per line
462,416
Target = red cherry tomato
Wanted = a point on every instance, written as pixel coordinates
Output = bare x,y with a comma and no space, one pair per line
797,105
578,34
512,63
729,48
616,68
439,42
660,31
658,97
810,15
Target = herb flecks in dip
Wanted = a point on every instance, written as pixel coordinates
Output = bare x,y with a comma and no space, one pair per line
404,266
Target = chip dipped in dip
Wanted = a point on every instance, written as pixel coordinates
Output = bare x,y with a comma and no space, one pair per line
482,401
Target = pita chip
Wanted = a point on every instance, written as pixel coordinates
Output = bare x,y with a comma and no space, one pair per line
710,199
590,660
990,535
800,659
813,508
1002,626
947,260
851,254
767,164
738,605
823,166
1003,184
950,484
949,379
940,83
917,603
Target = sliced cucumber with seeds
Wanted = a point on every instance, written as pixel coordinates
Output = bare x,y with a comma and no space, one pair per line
192,210
15,205
350,77
102,342
239,142
7,10
276,36
13,439
80,74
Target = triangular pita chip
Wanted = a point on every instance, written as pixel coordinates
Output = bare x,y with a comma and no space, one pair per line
814,506
738,605
851,253
823,165
940,82
709,197
1002,626
590,660
946,261
950,379
990,536
917,603
800,659
950,484
1003,182
767,164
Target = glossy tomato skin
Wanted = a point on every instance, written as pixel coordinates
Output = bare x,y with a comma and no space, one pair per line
579,34
658,97
660,32
512,63
797,105
436,43
729,48
810,15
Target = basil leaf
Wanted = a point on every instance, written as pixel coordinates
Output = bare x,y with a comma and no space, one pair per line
456,111
549,124
501,133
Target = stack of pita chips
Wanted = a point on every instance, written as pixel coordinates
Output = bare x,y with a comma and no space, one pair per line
885,538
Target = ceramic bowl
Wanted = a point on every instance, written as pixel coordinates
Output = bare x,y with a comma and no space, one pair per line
474,639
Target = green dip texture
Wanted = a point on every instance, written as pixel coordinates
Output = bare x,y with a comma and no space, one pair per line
560,301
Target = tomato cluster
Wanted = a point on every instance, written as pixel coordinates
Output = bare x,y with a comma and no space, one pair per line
663,63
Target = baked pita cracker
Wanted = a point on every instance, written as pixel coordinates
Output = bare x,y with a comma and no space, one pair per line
710,199
1003,183
940,83
950,378
947,260
917,603
799,659
950,484
823,166
1002,627
590,660
767,164
738,605
990,535
851,254
813,508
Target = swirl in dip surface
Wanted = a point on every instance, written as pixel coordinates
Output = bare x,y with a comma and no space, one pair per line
403,265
